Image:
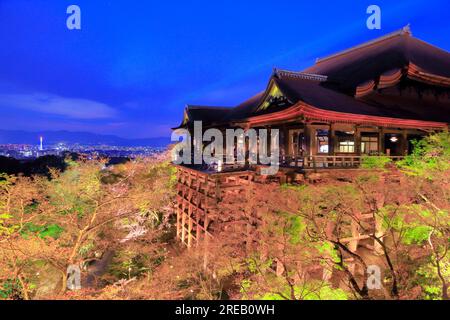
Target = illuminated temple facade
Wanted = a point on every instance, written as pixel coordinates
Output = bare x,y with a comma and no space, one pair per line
372,99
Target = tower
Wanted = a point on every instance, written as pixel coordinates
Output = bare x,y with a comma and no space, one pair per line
41,146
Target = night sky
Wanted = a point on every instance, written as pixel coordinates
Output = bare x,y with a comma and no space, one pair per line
134,65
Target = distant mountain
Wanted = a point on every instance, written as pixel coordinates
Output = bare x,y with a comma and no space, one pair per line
83,138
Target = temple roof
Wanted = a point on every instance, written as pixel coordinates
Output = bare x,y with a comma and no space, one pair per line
363,80
397,50
207,114
246,108
317,94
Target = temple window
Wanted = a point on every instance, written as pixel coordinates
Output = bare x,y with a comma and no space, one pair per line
369,144
346,142
347,146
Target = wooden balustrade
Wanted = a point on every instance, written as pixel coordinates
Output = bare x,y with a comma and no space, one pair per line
317,162
306,162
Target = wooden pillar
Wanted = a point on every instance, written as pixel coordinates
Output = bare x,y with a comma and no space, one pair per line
404,143
183,221
332,141
178,219
179,203
353,244
286,141
379,232
205,243
198,204
381,144
357,140
313,142
189,241
310,137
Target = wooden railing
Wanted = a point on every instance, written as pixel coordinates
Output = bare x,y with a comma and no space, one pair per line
316,162
305,162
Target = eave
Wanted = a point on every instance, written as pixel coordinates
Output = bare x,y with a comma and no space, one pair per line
416,73
393,77
310,113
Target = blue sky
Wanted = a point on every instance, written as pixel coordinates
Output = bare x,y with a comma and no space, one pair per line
134,65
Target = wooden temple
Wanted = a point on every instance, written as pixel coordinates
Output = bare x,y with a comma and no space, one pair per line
370,100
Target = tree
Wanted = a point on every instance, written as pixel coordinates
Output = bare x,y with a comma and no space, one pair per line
80,216
428,169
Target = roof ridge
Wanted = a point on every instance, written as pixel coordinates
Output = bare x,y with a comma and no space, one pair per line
406,30
300,75
206,107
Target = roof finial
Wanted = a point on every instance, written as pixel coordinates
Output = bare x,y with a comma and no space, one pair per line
407,29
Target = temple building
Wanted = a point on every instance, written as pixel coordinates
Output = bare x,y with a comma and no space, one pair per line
372,99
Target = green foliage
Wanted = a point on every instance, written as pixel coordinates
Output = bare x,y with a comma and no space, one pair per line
368,179
73,191
5,227
272,296
86,249
410,221
426,276
129,264
291,225
298,188
326,293
295,229
10,289
309,291
256,264
328,250
430,155
416,234
31,208
173,176
245,287
44,231
375,162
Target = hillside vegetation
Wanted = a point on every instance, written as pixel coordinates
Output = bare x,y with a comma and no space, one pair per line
117,224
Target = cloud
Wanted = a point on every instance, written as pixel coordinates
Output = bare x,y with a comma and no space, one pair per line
56,105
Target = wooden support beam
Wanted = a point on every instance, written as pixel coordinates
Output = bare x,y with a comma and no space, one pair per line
357,140
286,141
381,142
332,141
310,136
189,243
353,244
404,143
